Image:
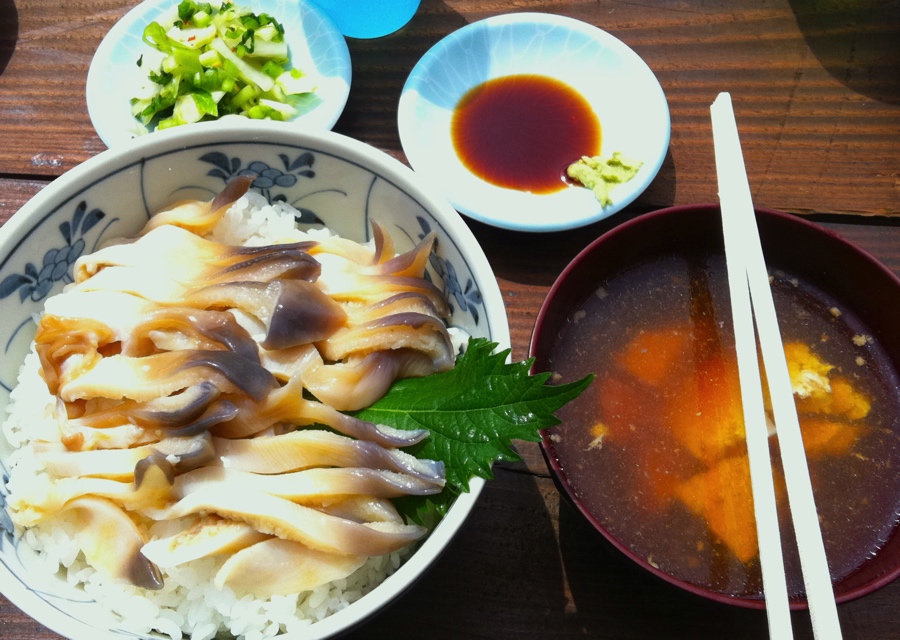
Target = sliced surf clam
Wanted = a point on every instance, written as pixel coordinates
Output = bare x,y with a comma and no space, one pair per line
315,486
119,464
367,289
177,254
282,567
359,381
287,405
294,312
202,390
165,373
285,519
139,326
381,261
309,448
419,332
208,536
199,216
152,491
111,541
165,411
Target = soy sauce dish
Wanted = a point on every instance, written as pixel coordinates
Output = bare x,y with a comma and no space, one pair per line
494,113
653,453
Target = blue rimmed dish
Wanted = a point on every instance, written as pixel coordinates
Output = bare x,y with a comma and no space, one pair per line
622,90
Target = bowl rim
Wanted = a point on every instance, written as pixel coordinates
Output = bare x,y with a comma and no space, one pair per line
559,474
178,139
408,125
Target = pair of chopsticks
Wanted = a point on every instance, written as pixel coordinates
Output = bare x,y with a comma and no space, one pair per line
752,304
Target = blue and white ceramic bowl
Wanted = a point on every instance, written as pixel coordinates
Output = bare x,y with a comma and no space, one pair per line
624,93
332,179
315,44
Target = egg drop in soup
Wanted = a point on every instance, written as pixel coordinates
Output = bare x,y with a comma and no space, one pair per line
522,131
655,448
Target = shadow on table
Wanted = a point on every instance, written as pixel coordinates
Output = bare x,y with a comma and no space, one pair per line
9,31
538,258
499,578
380,69
857,41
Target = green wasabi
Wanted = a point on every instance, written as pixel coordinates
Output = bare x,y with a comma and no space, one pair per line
602,175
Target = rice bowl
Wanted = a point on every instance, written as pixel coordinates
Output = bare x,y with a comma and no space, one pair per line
381,187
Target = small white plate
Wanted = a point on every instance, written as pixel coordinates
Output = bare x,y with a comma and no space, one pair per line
625,95
315,44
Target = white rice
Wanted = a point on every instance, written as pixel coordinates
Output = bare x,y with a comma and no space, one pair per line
189,605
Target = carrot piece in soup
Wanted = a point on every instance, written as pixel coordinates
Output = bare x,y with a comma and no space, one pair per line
826,437
841,400
847,401
814,404
662,465
653,356
622,407
627,420
723,497
707,415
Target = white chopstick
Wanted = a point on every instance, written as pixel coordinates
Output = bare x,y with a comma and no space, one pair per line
734,195
751,298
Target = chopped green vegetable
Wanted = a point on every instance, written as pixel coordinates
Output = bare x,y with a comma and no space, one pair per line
191,107
473,413
218,59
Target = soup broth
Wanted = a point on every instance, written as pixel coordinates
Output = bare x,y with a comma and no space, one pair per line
656,445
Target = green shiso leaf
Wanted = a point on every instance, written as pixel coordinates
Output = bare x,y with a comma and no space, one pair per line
473,413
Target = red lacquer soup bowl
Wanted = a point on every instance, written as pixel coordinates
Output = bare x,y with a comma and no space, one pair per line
653,455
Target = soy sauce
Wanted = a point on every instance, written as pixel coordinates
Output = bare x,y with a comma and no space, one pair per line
522,131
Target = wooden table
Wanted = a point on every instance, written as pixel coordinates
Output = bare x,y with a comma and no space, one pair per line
816,87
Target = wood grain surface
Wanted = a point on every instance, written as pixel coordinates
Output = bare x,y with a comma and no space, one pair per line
816,87
814,84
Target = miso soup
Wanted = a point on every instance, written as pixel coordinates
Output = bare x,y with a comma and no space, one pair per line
655,447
